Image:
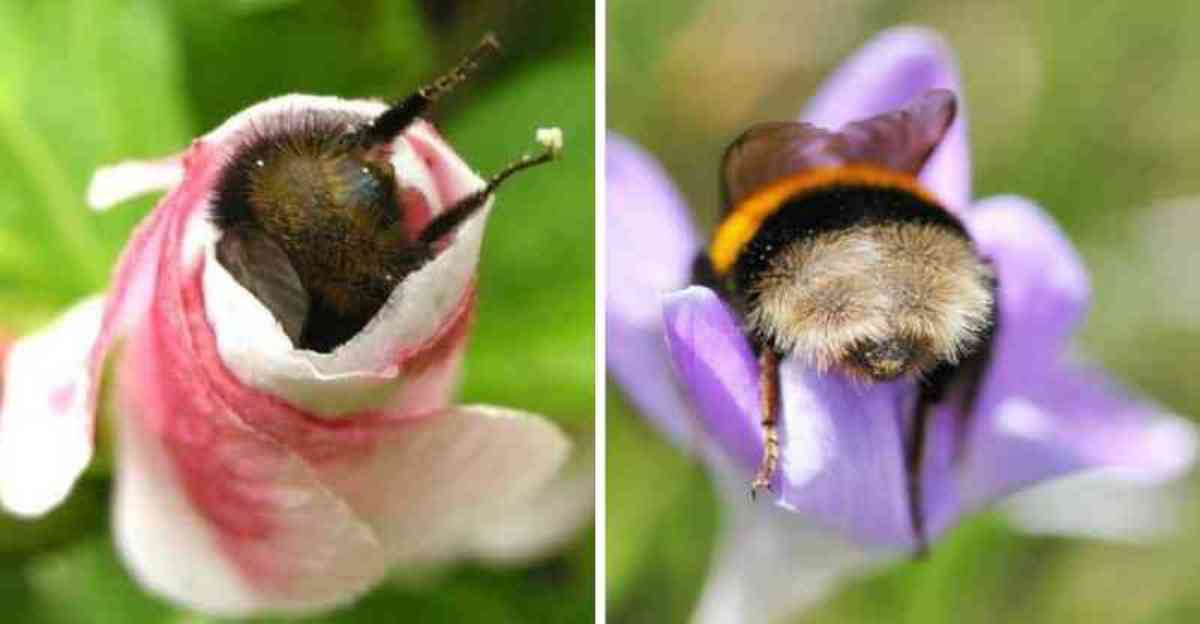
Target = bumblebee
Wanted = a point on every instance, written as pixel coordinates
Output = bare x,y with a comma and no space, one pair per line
832,253
313,224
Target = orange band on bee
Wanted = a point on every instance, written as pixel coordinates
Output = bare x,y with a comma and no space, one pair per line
740,226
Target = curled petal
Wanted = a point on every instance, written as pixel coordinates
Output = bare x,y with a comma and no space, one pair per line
886,74
843,454
651,251
255,476
117,183
713,361
421,312
45,436
842,460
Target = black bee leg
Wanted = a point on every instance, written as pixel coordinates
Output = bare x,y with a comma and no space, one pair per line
914,454
394,120
703,274
768,364
455,215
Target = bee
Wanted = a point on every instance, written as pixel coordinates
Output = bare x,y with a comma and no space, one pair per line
831,252
312,221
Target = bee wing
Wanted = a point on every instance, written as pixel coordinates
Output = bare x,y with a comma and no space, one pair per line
772,150
899,140
263,268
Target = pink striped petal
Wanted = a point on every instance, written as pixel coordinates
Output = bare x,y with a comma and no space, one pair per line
886,74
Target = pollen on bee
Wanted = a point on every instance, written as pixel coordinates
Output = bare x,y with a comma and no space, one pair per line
551,139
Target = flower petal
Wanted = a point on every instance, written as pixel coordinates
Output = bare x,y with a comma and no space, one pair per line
424,308
45,435
117,183
446,477
887,73
842,461
771,564
713,362
228,522
843,454
652,246
1099,504
125,305
1071,420
1043,288
289,510
547,522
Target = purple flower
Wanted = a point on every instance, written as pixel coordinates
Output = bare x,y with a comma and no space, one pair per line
682,357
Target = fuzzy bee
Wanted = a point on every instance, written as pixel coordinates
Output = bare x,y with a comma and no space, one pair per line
832,253
314,224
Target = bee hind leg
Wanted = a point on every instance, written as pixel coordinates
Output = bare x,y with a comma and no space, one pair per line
914,454
768,363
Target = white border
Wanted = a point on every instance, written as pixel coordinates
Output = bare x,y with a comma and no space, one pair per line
601,125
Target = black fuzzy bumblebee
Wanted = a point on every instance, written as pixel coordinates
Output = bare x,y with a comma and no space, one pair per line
312,222
833,253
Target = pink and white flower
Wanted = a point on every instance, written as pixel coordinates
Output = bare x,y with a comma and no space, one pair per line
252,476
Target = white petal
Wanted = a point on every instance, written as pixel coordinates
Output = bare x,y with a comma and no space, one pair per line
45,433
448,475
359,374
117,183
1099,504
771,564
548,521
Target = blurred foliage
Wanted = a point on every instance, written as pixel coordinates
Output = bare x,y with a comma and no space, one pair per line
90,82
1086,107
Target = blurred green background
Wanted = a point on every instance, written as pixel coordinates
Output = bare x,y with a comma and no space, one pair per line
1090,108
91,82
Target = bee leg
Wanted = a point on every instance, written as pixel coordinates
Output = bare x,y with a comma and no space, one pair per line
914,454
768,363
394,120
462,210
703,274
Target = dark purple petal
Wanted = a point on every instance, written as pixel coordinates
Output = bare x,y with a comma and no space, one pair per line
713,361
886,74
650,250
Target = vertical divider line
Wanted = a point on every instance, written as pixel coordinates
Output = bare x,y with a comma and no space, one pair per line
599,263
